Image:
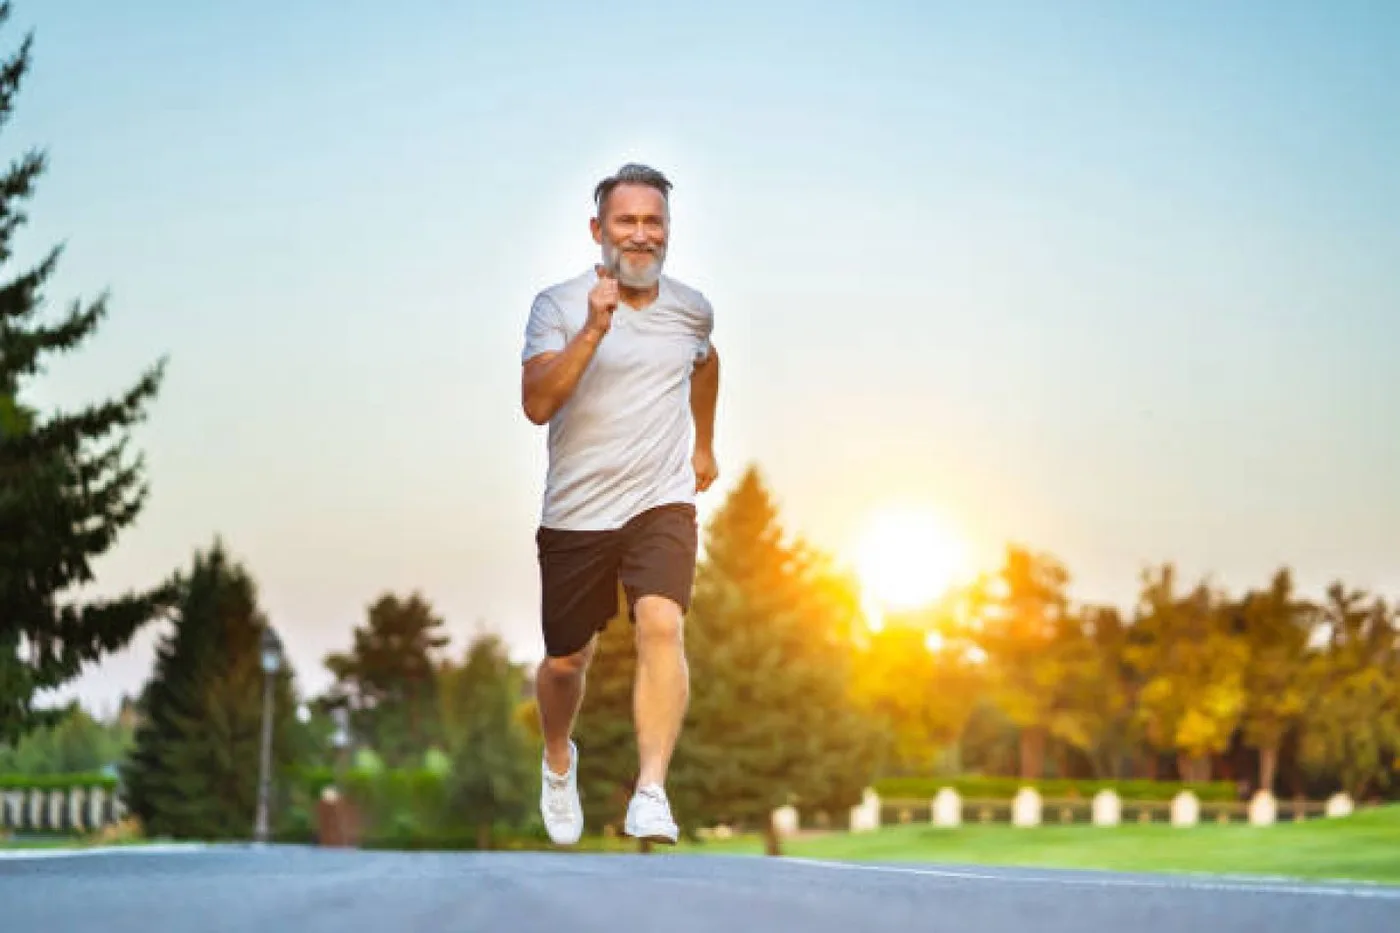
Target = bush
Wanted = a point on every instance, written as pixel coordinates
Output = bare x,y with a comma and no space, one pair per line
57,781
1004,788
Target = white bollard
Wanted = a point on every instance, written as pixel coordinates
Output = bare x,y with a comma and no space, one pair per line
947,808
1025,809
1186,809
1108,808
1263,809
865,816
785,821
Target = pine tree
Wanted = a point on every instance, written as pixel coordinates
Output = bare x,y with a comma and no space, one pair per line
67,484
193,772
773,718
494,780
389,678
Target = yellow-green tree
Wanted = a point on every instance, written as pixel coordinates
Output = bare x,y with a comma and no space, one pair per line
1276,625
1191,664
1022,613
1351,728
921,693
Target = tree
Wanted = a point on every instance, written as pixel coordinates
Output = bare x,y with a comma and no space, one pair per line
1351,727
918,680
1191,663
1108,694
68,486
76,743
1275,625
492,780
193,772
1022,615
388,680
774,718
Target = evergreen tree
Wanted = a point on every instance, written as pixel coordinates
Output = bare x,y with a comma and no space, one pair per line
193,772
495,778
389,678
67,484
773,718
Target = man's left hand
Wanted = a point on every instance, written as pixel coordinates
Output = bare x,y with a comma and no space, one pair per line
706,469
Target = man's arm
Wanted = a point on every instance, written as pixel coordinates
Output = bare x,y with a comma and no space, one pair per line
549,378
704,396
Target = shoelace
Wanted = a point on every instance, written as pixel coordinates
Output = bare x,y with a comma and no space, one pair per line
558,802
653,793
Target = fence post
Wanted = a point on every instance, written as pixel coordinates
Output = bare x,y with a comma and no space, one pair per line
1263,809
1186,809
1108,808
1025,809
947,808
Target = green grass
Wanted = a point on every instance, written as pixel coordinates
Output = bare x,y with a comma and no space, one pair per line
1362,847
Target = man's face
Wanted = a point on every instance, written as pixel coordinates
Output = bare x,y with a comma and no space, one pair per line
633,228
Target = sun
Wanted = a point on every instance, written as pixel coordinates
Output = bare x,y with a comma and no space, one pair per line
908,557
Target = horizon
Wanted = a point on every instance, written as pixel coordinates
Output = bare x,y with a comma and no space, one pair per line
941,225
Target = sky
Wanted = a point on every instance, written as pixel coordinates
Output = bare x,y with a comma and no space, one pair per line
1116,281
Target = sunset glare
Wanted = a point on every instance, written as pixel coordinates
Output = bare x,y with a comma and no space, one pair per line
907,558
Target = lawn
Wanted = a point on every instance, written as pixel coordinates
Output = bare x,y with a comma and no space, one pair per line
1361,847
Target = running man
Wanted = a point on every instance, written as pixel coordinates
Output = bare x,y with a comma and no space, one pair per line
618,362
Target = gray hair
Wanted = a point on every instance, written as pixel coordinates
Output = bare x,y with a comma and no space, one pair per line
633,174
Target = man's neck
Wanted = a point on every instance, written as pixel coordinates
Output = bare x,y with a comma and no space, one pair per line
638,297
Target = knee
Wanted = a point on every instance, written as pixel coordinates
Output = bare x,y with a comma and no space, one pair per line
567,666
658,621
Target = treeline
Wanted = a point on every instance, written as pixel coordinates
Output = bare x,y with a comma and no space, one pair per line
771,719
1264,687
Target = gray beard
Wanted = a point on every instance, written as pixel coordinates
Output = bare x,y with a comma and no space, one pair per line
612,259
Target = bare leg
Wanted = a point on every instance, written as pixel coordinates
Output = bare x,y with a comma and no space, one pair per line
559,684
662,687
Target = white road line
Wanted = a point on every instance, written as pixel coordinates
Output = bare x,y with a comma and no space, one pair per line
154,849
1105,881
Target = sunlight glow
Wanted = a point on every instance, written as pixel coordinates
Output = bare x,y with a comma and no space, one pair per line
907,558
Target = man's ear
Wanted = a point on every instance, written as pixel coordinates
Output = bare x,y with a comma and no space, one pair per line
597,230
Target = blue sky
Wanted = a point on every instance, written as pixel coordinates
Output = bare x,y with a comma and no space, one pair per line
1113,279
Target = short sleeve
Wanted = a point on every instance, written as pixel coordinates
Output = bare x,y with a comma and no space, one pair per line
704,330
544,332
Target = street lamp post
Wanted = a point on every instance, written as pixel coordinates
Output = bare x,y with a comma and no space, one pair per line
271,664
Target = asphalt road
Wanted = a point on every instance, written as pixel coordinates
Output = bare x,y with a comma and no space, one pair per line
311,890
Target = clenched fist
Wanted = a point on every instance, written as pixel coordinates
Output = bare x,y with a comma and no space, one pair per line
602,302
706,468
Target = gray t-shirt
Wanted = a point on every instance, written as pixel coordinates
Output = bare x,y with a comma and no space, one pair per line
623,441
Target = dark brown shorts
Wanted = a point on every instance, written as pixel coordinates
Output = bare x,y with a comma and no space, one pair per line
580,572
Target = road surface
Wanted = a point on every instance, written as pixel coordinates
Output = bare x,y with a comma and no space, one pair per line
307,890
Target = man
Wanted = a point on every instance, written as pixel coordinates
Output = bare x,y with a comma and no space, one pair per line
618,362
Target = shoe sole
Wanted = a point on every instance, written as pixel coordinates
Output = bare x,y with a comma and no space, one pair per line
659,838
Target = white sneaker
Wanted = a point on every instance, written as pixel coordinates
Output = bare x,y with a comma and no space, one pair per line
559,803
649,816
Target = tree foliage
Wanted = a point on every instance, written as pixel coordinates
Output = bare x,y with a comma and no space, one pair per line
69,484
388,679
491,780
773,717
194,769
